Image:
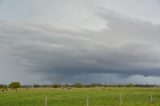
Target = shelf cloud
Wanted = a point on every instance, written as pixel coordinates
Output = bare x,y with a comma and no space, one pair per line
111,47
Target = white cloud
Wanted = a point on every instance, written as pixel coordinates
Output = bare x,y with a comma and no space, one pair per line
147,10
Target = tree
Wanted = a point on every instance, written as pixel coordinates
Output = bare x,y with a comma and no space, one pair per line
78,85
36,86
14,85
93,85
3,87
130,85
56,85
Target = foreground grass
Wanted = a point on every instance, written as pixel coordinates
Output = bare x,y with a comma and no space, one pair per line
77,97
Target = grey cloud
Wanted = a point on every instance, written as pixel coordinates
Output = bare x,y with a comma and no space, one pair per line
128,47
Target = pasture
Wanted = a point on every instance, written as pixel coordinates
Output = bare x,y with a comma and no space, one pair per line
78,97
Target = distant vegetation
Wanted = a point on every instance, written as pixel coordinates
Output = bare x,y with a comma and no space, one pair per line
16,85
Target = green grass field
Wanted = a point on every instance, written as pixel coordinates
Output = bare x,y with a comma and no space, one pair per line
77,97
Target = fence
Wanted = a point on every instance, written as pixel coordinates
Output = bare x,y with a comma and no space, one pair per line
121,100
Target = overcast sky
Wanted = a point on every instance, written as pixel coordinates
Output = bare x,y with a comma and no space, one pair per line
67,41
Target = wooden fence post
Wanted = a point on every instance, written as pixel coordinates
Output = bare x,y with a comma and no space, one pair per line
151,98
87,102
45,102
120,97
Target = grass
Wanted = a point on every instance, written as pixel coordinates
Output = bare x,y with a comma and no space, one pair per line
77,97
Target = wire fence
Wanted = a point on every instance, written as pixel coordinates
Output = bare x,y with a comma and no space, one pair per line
116,100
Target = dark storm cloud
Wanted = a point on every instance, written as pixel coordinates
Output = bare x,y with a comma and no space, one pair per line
128,47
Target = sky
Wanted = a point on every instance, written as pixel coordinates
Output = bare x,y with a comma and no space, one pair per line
87,41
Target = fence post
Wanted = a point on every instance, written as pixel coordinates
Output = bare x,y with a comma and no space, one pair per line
45,102
87,102
120,97
151,98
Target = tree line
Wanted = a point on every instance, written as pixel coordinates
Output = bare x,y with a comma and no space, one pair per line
16,85
81,85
